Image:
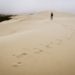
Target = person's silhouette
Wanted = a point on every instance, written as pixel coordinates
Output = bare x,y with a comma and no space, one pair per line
51,16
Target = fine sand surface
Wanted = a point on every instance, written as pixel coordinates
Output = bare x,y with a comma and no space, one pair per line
32,44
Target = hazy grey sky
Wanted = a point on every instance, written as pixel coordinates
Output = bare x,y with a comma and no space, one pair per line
20,6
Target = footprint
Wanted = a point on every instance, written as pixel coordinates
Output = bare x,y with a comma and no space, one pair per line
21,55
19,63
48,46
13,55
24,54
15,65
38,50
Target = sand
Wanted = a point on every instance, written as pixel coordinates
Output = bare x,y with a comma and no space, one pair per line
32,44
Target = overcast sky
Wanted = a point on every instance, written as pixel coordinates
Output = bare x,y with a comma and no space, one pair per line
21,6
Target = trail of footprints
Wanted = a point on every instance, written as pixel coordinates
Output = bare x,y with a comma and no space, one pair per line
35,51
38,50
48,46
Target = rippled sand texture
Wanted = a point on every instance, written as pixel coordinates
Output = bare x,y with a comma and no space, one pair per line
33,44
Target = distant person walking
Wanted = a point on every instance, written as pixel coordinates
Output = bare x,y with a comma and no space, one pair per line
51,16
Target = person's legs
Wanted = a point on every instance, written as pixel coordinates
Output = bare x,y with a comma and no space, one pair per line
51,17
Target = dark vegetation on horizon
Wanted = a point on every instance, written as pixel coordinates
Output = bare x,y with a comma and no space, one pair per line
5,17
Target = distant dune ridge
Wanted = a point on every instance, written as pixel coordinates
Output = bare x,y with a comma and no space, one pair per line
33,44
4,17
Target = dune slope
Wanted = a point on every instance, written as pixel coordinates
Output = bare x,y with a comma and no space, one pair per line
33,44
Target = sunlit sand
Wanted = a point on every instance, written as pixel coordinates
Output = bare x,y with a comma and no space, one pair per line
33,44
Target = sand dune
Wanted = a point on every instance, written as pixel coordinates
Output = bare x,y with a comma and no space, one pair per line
32,44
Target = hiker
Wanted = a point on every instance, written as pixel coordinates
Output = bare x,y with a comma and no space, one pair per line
51,16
